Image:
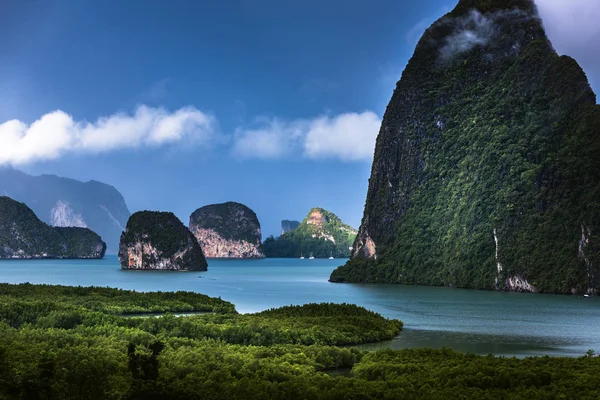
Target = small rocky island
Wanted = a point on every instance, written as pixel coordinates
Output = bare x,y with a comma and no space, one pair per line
322,234
159,241
228,230
24,236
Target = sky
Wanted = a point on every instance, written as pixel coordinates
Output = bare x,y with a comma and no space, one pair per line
180,104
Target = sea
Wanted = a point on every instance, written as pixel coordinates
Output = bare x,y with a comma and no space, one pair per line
473,321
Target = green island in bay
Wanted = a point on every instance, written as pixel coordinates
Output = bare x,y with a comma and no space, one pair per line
321,234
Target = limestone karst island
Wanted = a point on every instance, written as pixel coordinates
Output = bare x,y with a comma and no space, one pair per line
229,230
159,241
485,173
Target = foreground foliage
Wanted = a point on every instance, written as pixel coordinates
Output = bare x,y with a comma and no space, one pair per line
282,353
29,302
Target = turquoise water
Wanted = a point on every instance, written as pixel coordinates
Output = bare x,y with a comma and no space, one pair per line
467,320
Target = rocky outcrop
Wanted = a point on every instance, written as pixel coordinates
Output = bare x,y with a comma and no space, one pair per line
518,284
288,226
159,241
485,172
23,235
63,215
66,202
228,230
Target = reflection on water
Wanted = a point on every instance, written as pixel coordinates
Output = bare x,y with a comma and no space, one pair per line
466,320
501,345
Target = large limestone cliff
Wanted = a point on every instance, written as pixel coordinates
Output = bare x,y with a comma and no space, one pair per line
159,241
485,172
228,230
23,235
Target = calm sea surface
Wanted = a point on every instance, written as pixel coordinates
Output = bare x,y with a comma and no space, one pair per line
466,320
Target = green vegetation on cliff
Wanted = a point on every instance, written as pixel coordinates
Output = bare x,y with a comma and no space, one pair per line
487,166
23,235
73,343
321,234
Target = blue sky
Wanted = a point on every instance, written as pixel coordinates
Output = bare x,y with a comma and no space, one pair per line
180,104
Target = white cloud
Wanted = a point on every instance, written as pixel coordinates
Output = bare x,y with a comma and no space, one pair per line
471,31
474,29
574,30
57,133
571,21
271,139
346,137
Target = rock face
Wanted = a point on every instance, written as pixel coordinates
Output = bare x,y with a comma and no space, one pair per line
288,226
321,234
228,230
23,235
159,241
67,202
486,168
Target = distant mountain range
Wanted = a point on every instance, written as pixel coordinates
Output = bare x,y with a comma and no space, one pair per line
23,235
288,226
66,202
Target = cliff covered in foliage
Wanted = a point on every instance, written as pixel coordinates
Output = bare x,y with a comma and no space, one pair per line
228,230
321,234
159,241
23,235
487,165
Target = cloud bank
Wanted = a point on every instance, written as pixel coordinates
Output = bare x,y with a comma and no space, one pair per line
57,133
345,137
574,29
